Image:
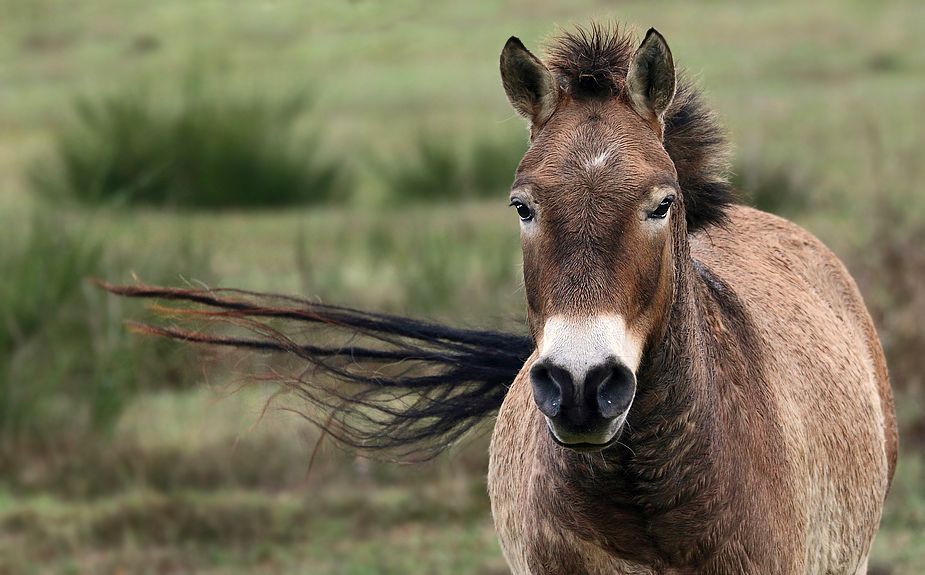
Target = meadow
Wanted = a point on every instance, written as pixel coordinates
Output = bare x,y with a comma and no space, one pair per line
122,454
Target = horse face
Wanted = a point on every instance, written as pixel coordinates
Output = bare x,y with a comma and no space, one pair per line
597,196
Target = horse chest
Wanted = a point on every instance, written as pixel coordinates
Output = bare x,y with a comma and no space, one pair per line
538,540
537,534
564,515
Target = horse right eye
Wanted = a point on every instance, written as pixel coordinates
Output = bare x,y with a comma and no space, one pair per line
524,211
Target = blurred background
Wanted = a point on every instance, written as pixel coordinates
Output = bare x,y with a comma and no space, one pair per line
360,152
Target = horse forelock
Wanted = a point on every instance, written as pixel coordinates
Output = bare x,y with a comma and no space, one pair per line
591,63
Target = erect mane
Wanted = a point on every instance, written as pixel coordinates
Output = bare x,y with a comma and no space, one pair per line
592,63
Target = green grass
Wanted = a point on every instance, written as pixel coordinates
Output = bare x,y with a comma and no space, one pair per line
820,99
343,516
211,544
774,189
211,496
900,543
42,271
43,276
440,172
210,152
67,365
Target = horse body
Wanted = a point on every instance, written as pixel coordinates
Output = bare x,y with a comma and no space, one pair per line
769,451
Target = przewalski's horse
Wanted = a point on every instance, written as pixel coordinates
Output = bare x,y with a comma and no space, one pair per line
703,390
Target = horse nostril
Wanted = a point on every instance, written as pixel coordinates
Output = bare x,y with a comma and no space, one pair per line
551,385
614,386
606,391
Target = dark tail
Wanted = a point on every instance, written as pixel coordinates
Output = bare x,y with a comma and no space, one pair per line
375,382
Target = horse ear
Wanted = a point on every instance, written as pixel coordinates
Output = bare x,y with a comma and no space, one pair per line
529,85
650,81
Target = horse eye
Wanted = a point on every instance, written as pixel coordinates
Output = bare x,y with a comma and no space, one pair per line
525,213
662,210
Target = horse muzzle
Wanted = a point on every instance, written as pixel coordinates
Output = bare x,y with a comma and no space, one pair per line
583,380
584,411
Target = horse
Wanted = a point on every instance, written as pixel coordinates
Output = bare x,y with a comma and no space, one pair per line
702,389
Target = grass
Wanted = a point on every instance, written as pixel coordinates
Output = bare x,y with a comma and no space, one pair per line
817,97
234,532
211,497
42,272
440,172
67,366
345,516
902,536
43,276
210,152
772,188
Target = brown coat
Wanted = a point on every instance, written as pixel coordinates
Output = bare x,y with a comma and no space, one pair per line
708,393
784,469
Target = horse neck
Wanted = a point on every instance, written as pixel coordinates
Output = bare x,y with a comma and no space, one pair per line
668,459
672,431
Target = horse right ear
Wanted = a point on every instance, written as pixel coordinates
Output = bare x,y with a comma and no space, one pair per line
529,85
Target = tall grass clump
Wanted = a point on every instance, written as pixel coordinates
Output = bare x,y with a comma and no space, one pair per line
40,274
68,367
889,265
440,261
891,272
773,188
43,275
438,170
210,150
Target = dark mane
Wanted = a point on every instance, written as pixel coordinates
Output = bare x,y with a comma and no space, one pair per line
592,63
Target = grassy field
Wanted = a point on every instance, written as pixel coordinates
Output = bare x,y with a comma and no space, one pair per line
188,477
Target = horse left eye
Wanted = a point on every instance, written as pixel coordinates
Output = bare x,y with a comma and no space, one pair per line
661,211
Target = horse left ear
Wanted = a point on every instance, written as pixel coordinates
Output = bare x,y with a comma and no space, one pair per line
650,81
529,85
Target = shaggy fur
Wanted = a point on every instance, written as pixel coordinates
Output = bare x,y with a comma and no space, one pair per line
591,62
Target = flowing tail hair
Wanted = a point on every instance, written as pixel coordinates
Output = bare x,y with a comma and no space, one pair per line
375,382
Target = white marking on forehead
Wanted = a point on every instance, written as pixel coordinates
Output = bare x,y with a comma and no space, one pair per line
580,344
598,160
